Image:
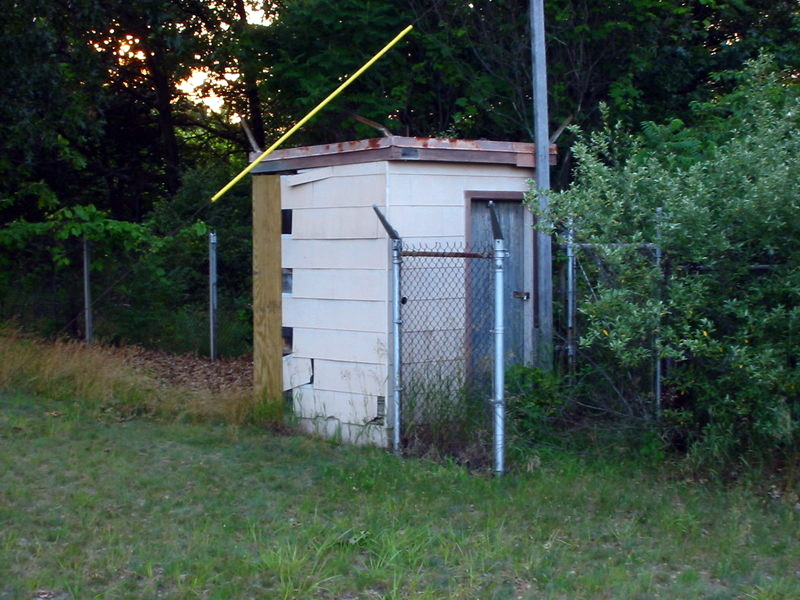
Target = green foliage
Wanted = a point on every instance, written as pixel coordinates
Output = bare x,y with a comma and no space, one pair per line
149,280
100,139
440,80
535,401
721,310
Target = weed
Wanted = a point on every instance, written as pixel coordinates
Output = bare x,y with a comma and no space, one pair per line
446,415
96,505
142,508
91,378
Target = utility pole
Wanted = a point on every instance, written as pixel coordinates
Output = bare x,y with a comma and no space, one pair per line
543,319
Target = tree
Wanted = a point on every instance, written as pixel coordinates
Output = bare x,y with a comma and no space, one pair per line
721,202
96,134
465,71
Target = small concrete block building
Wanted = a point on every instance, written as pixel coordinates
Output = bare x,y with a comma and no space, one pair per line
322,261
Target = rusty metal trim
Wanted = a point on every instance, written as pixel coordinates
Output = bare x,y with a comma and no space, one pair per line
399,148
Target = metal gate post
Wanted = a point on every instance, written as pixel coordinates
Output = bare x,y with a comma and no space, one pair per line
498,400
397,321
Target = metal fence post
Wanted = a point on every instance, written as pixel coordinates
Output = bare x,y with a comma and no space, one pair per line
571,301
212,294
499,402
397,321
87,293
657,340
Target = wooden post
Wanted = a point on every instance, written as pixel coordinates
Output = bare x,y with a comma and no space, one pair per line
267,317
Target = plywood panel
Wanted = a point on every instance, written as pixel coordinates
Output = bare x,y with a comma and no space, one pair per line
308,176
429,220
333,254
335,223
370,434
450,189
336,192
419,190
303,403
319,188
350,315
341,284
357,378
296,371
267,341
299,196
310,402
377,167
447,186
349,346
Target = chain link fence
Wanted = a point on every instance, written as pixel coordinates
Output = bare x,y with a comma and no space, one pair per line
633,274
447,343
153,294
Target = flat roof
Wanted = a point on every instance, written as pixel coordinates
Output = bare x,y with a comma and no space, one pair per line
399,148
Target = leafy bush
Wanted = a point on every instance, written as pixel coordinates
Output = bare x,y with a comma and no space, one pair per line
534,401
721,311
149,280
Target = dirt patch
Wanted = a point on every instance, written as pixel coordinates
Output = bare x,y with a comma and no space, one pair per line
191,371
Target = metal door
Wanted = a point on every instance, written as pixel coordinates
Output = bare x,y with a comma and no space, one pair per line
516,223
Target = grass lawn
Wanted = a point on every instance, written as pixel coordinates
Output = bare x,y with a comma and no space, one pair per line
102,508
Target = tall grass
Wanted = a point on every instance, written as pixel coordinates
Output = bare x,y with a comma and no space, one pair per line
147,509
447,416
102,381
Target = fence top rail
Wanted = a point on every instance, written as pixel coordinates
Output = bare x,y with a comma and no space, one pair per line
646,246
445,254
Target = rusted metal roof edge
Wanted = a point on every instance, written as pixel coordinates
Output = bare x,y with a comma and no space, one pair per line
399,148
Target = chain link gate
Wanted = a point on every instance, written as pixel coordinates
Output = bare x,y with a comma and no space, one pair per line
448,350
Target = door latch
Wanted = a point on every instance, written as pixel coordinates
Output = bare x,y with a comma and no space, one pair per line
522,295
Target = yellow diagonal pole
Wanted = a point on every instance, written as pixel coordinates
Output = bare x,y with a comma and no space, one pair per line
311,114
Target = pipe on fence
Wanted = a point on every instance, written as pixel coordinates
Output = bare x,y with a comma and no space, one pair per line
657,340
